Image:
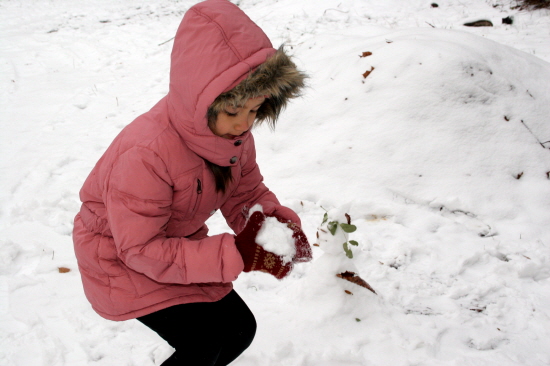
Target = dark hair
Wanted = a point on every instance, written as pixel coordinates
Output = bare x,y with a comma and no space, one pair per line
222,175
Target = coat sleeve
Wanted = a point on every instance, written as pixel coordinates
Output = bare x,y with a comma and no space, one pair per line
250,191
138,202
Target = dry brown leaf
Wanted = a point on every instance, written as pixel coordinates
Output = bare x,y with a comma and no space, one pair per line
348,292
366,54
64,269
367,73
354,278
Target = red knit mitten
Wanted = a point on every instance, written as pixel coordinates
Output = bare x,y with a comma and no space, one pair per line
255,257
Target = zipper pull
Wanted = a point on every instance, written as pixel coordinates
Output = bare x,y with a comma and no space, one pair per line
199,186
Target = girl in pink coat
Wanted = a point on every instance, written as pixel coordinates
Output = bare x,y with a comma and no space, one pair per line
140,237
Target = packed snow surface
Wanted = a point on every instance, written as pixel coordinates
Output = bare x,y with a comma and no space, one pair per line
440,156
276,237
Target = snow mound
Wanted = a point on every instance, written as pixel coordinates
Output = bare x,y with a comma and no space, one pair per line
445,117
442,153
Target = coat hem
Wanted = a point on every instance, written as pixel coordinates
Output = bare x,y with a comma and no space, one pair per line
163,305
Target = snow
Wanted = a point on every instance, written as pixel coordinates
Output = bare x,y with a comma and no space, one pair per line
440,156
276,237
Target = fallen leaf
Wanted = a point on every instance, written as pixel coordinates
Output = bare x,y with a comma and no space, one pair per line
366,54
367,73
354,278
64,269
478,310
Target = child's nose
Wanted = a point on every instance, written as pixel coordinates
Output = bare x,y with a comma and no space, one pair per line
242,125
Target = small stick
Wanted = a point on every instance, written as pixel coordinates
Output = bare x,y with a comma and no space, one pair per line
160,44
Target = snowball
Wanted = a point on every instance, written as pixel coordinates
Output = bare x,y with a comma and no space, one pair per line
276,237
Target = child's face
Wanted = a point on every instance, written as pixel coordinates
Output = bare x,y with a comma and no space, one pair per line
234,122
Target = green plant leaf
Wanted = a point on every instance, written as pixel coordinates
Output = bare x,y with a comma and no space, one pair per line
357,320
353,242
349,253
332,226
325,218
348,228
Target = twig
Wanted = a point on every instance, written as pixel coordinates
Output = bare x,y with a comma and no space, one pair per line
341,11
160,44
531,132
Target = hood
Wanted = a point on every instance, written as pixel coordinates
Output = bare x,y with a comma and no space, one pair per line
215,48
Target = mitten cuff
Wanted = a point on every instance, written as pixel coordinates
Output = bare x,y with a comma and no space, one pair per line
282,213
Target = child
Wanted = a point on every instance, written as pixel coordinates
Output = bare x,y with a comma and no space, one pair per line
140,237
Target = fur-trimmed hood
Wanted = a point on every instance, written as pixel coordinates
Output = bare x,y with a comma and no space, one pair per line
277,78
221,57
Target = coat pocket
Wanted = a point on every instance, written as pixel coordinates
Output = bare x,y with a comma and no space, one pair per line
186,197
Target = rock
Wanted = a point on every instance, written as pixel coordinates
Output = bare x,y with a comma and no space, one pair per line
508,20
479,23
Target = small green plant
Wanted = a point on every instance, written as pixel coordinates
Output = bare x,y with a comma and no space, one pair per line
333,226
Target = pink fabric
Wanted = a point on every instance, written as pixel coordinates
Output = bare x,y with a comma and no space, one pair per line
140,238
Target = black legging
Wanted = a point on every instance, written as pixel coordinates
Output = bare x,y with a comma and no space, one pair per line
205,333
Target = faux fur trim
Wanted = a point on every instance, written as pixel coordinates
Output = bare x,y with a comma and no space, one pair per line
277,78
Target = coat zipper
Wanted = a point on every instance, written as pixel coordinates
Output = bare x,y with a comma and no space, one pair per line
199,191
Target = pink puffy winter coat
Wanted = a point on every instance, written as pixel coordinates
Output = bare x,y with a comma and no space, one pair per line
140,237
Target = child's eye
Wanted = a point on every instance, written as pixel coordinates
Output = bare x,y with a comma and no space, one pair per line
230,114
256,111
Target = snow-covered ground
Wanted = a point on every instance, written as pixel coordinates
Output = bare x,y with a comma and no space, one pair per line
441,157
